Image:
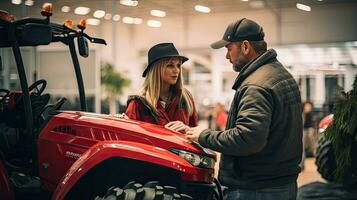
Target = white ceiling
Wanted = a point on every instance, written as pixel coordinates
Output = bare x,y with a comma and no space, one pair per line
173,8
320,54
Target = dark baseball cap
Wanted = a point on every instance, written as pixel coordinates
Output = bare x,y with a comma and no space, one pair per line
243,29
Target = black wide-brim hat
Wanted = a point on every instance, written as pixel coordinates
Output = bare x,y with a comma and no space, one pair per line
160,51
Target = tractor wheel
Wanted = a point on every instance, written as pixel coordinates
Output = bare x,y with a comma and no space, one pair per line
325,159
150,191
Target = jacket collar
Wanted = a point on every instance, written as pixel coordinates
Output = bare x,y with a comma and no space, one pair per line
254,65
177,102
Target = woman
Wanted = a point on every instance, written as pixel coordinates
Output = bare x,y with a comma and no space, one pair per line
163,100
221,117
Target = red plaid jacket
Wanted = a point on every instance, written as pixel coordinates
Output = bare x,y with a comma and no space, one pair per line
139,109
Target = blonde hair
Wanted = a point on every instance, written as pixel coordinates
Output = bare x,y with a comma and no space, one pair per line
152,85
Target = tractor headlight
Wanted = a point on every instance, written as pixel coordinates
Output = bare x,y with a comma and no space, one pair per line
195,159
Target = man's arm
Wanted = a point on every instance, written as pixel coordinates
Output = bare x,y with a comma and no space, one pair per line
250,134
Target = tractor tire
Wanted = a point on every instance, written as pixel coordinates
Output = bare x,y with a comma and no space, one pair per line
326,159
150,191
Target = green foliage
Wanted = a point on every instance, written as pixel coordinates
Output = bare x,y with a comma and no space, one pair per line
343,135
113,81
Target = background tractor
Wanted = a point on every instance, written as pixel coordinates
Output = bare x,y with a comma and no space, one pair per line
336,155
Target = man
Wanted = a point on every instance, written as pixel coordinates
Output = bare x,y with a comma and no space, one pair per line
262,144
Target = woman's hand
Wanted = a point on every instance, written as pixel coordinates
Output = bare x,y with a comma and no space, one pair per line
177,126
121,116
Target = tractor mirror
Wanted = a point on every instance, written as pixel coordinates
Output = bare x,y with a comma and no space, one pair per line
83,46
36,34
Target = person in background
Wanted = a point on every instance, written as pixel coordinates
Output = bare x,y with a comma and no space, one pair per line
163,100
220,117
309,136
262,144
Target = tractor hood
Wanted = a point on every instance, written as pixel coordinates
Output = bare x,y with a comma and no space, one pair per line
93,128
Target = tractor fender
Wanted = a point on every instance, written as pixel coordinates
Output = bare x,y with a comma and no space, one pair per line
6,191
109,149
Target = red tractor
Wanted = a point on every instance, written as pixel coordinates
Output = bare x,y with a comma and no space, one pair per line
326,161
325,155
48,153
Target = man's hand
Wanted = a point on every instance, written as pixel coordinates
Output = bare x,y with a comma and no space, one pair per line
194,133
178,126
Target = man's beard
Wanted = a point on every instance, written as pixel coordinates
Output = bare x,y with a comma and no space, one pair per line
242,61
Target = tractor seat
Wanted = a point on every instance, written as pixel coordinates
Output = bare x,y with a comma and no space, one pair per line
14,113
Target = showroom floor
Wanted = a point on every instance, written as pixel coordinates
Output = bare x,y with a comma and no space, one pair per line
310,173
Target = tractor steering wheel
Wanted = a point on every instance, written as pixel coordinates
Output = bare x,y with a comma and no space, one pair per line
35,88
38,87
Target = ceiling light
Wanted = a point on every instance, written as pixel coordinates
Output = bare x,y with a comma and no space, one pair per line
129,2
245,0
128,20
131,20
93,22
256,4
81,10
158,13
138,20
29,2
17,2
116,17
99,13
303,7
66,9
108,16
203,9
154,23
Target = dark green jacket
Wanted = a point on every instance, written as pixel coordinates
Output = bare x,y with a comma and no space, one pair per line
261,146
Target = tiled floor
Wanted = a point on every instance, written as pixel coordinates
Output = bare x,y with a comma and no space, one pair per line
310,174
